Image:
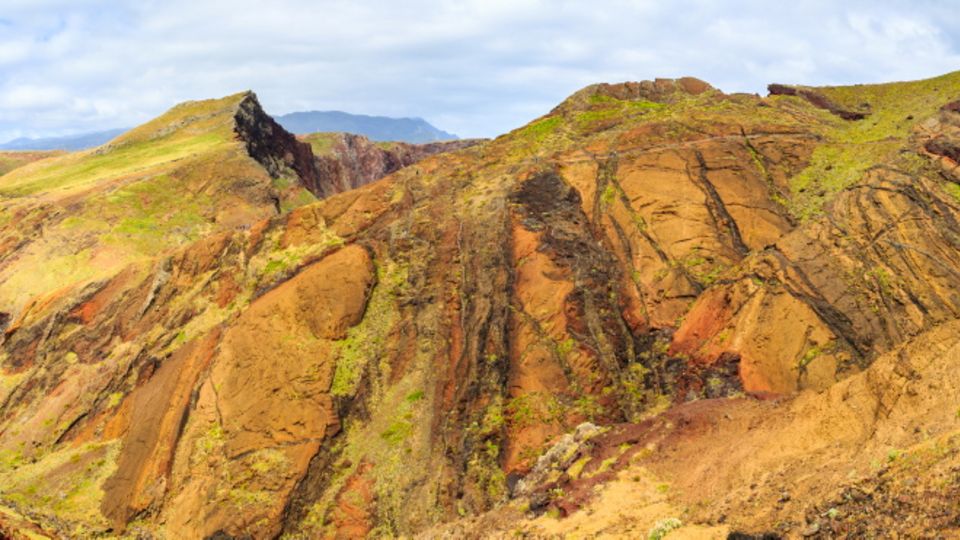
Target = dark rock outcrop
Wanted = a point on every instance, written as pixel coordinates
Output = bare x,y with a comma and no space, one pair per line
816,99
275,148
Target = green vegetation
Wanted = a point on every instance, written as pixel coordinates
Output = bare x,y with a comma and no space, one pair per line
608,196
809,356
212,439
66,484
852,147
75,171
605,108
279,262
242,497
663,527
321,143
114,399
157,187
365,342
540,129
953,190
397,432
151,215
881,277
566,346
13,160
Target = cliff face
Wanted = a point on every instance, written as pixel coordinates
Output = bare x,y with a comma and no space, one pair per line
348,161
650,257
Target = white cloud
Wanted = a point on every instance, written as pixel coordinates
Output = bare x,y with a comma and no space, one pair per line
474,67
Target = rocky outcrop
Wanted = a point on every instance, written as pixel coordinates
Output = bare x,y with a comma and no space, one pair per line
276,149
816,99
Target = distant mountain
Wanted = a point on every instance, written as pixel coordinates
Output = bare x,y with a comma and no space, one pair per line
377,128
70,142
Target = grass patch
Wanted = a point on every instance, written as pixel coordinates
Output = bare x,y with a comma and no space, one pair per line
852,147
321,143
538,131
75,171
366,341
66,484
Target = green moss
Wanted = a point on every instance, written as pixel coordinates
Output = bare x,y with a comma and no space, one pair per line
608,196
10,459
114,399
212,439
66,484
809,356
662,528
279,263
151,215
493,418
268,462
953,190
605,111
365,342
565,347
539,130
575,470
588,406
587,118
520,411
242,498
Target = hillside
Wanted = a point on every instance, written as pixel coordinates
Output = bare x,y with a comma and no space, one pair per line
167,183
11,160
377,128
658,308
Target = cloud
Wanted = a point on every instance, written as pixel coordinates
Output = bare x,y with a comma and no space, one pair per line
474,67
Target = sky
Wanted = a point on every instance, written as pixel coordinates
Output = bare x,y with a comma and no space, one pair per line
477,68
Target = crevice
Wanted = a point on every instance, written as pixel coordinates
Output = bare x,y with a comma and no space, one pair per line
718,211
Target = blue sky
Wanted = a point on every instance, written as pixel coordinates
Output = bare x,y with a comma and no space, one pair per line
473,67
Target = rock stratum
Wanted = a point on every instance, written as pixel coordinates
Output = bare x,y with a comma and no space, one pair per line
658,309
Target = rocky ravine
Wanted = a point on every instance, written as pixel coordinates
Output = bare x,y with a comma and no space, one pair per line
348,161
650,257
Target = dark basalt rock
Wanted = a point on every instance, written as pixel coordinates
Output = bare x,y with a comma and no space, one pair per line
815,98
